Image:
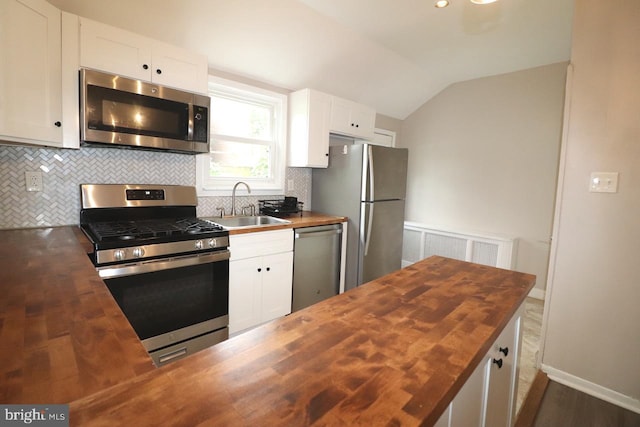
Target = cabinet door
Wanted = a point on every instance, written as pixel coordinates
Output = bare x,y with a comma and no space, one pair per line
309,112
467,406
277,282
502,380
365,120
30,72
352,119
114,50
245,294
340,121
179,68
444,420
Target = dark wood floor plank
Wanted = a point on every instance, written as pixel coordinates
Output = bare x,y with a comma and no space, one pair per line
531,405
564,406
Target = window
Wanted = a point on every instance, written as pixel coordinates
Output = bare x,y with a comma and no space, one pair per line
248,140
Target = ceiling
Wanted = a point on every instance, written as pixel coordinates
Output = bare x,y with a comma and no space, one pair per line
393,55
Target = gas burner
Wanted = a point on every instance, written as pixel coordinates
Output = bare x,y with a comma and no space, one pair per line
112,223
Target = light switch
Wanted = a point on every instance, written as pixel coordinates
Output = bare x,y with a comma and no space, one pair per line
603,182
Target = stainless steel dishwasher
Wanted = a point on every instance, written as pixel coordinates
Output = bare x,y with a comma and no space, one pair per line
316,264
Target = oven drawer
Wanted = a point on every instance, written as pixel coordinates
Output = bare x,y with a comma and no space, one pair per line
183,349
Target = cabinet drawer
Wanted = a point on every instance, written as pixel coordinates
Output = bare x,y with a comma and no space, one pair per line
260,243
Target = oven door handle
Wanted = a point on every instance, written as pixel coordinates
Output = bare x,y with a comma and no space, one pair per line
113,271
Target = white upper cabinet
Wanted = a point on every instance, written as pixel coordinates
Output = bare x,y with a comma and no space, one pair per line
352,119
313,115
309,112
179,68
31,73
117,51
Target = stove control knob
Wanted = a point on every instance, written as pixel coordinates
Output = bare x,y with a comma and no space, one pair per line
138,252
118,254
199,244
213,243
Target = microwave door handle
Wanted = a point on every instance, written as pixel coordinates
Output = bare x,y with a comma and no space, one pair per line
190,125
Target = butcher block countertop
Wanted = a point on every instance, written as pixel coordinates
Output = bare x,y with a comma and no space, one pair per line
305,219
394,351
62,335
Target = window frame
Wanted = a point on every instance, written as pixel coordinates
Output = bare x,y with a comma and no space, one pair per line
208,186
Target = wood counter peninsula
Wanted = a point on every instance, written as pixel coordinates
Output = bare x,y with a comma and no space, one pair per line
394,351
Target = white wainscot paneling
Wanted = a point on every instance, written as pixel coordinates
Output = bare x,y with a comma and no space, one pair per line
422,241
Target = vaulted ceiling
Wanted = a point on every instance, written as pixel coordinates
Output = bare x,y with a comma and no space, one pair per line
391,54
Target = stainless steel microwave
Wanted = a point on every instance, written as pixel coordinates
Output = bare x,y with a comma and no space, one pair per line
122,112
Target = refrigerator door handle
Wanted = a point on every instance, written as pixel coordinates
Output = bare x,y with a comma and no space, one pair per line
371,174
369,227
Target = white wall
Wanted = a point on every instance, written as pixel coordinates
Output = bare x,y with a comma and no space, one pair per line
484,158
593,325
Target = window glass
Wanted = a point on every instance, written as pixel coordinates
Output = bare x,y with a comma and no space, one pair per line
237,159
248,140
240,118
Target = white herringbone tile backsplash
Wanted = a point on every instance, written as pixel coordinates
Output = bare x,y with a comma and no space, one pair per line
64,170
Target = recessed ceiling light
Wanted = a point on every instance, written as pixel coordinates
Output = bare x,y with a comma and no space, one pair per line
483,1
442,3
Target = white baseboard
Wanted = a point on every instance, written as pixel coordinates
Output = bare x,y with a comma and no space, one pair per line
592,389
537,293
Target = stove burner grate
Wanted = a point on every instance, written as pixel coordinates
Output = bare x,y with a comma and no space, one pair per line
144,229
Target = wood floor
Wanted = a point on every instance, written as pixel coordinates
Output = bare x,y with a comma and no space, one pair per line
544,403
565,407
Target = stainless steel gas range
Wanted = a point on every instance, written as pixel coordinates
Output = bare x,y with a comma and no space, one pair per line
167,270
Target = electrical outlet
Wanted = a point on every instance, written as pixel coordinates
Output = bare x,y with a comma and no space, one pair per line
33,181
290,185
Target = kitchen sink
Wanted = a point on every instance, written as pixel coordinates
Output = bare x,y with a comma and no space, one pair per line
234,222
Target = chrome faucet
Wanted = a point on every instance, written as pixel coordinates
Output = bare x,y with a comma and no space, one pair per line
233,196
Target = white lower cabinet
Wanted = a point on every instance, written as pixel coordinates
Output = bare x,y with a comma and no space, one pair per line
260,278
488,398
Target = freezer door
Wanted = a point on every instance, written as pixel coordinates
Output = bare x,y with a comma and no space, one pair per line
385,176
381,238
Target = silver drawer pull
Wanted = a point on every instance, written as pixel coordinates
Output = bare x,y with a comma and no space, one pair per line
170,356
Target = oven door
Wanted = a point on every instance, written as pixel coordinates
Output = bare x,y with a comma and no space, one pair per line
173,300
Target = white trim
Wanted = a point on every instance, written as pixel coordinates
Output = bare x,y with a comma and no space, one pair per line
343,256
592,389
562,167
376,141
272,186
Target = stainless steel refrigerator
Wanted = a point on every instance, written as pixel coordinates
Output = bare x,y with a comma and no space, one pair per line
366,183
